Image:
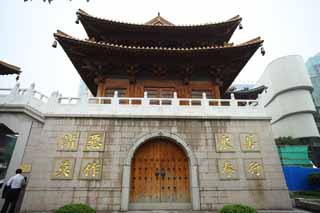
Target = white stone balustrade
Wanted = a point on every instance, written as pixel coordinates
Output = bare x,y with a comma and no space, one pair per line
115,106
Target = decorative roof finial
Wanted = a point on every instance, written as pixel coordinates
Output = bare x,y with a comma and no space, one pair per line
158,13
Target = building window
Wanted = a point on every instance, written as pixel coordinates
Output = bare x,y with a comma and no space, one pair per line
159,92
122,92
197,94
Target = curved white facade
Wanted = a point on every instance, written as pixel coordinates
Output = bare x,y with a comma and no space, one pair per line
288,98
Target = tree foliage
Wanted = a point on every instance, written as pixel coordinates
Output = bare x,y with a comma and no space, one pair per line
286,141
75,208
237,208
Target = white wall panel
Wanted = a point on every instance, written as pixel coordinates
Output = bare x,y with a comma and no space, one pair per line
288,98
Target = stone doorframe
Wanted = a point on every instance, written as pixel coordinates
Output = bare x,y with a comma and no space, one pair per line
193,167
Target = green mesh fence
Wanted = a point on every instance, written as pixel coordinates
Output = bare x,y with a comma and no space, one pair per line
294,156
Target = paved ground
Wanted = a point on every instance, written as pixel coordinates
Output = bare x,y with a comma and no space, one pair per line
186,211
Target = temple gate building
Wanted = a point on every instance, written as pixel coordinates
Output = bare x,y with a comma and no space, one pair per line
156,134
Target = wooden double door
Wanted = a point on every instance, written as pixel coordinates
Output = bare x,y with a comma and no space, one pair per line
160,173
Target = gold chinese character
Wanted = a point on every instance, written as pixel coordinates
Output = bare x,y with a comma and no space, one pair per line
64,169
228,169
94,142
250,143
225,143
255,168
26,168
68,141
92,169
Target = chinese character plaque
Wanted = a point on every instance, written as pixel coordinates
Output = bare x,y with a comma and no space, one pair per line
68,142
90,169
254,168
95,142
63,168
26,167
224,142
249,142
228,169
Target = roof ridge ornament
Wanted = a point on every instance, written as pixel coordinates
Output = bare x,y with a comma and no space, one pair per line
159,21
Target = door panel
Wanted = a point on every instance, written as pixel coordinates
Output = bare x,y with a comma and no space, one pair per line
175,184
160,173
144,185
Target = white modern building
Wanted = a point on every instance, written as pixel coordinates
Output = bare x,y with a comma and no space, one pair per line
288,98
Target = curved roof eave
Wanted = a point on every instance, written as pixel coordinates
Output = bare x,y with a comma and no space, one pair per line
61,34
8,69
246,93
82,13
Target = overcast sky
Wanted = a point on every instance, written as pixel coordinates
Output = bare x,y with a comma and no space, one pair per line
26,32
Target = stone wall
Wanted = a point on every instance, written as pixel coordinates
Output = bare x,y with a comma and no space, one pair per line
44,194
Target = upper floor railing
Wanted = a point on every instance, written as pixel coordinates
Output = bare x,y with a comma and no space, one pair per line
131,106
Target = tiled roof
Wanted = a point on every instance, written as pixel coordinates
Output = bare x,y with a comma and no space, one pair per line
156,48
236,18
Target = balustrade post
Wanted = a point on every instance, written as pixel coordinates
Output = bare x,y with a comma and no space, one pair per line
15,90
260,101
53,100
30,92
175,101
204,101
13,94
84,99
233,102
145,99
115,101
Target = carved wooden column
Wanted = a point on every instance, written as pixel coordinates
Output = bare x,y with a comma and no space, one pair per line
132,70
216,78
186,72
100,82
